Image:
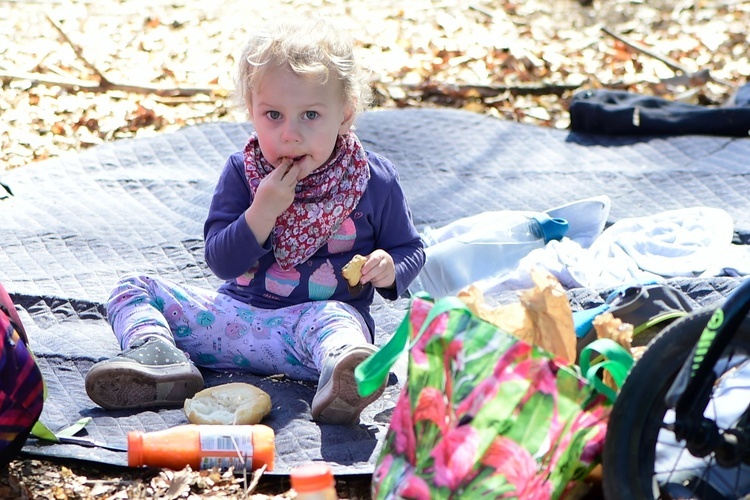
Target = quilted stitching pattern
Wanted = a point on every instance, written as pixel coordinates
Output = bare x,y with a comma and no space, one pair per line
79,221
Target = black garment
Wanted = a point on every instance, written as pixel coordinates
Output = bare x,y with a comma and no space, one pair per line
623,113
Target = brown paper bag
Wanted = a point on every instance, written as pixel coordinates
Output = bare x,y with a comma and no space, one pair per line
542,317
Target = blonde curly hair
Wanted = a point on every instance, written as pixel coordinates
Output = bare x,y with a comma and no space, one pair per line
312,48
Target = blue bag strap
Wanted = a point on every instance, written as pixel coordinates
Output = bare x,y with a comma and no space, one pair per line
373,371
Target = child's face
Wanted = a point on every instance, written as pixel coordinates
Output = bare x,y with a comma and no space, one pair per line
298,118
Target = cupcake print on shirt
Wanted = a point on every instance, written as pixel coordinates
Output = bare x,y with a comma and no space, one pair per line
343,240
246,278
322,282
280,282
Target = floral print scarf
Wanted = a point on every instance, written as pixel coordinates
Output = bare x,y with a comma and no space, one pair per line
322,201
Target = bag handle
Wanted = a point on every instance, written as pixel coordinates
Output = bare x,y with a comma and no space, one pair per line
617,361
373,371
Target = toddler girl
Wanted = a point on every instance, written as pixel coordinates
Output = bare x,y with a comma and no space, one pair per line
289,211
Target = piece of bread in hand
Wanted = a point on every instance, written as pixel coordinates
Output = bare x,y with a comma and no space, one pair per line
237,403
352,271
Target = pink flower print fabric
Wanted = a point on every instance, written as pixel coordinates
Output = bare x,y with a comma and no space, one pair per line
483,413
322,203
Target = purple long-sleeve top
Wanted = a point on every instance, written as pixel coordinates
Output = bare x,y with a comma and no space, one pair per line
381,220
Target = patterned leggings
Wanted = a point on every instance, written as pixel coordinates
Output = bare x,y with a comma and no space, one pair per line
222,333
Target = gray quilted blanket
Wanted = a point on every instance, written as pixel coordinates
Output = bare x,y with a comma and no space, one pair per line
77,222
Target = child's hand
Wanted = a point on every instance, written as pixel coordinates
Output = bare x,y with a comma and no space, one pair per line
379,270
276,191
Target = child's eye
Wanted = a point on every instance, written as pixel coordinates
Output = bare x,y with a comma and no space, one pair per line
273,115
311,115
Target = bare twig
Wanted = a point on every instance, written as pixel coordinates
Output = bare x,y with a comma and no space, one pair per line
671,63
487,91
482,11
68,83
111,482
77,50
106,86
257,474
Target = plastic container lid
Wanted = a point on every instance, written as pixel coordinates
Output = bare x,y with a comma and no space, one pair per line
264,447
311,477
552,229
135,449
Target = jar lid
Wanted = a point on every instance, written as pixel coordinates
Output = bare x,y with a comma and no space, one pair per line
314,476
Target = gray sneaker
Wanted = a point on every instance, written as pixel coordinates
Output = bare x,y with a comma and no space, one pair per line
337,400
150,373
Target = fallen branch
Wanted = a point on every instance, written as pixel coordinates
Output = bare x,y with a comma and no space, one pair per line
487,91
77,49
106,85
701,75
672,63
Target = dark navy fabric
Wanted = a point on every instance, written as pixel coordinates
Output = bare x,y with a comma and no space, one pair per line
623,113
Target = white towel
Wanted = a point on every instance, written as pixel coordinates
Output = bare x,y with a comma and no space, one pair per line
684,242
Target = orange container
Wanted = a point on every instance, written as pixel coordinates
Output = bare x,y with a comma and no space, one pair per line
244,447
314,481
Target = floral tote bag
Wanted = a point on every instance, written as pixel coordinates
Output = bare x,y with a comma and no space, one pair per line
482,414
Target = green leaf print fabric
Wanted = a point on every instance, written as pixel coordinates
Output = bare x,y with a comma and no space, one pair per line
484,415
